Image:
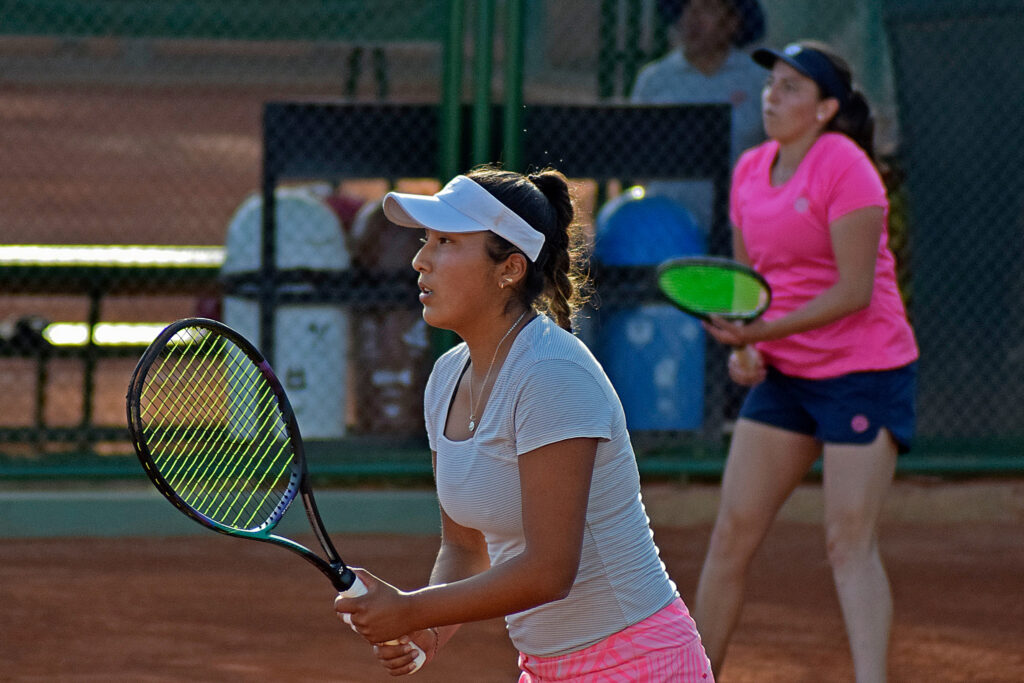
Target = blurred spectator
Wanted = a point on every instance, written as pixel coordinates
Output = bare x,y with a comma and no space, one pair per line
709,66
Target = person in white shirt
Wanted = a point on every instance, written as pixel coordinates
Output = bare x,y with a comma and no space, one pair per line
542,517
710,66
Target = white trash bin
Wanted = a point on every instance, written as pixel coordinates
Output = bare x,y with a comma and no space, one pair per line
310,340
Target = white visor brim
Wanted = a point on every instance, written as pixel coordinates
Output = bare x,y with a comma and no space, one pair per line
463,206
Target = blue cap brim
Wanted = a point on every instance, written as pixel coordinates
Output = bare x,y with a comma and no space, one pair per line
809,62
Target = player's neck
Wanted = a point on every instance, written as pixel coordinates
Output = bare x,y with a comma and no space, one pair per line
789,156
488,349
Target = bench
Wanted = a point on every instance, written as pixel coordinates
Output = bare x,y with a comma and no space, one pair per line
355,22
97,272
94,272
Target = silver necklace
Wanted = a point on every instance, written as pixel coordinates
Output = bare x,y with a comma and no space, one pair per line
474,406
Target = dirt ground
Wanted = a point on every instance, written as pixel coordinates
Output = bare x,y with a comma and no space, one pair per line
207,608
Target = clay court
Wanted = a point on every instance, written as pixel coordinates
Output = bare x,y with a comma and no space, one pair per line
209,608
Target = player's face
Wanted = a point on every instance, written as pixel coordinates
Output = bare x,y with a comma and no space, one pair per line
455,275
790,104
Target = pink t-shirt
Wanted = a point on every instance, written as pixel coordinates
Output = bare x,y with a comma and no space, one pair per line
785,231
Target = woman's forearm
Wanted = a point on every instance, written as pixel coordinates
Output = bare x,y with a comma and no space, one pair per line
826,308
513,586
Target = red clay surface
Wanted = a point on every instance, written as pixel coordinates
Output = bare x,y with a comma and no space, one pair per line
208,608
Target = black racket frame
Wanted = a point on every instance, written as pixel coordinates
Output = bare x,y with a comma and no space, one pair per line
299,484
723,263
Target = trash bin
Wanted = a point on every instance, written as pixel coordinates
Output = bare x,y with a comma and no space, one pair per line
390,346
310,340
652,352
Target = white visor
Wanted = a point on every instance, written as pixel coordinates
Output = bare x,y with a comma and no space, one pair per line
463,206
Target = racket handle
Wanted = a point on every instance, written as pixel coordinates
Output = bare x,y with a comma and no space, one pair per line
359,588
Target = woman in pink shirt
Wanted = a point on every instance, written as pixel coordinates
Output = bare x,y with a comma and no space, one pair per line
832,364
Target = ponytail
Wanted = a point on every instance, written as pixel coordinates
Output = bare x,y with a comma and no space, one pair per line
854,118
555,283
562,277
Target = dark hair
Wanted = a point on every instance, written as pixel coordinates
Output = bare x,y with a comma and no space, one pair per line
556,282
750,28
854,118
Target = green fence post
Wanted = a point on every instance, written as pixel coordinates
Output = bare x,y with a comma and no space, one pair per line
482,66
512,116
607,45
450,137
451,97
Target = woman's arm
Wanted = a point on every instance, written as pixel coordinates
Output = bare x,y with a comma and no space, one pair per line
462,554
855,246
739,249
555,483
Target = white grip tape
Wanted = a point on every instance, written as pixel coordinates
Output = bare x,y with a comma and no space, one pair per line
359,588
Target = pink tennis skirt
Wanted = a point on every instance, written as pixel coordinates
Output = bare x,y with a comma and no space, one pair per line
663,647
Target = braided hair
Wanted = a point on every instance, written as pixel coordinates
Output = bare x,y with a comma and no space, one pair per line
556,283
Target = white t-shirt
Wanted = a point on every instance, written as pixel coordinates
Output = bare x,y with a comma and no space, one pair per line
673,80
549,389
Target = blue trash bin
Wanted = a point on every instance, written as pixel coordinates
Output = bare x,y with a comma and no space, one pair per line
653,353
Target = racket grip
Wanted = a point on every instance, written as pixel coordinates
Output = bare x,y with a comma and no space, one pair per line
359,588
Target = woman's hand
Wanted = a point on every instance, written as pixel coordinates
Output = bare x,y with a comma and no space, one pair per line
380,614
736,334
398,659
746,367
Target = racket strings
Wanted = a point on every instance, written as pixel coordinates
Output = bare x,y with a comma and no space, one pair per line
181,404
712,290
231,484
215,430
222,484
183,390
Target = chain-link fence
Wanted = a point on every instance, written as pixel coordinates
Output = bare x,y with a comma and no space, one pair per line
959,85
143,138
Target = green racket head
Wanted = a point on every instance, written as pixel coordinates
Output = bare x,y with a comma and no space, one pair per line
213,428
706,286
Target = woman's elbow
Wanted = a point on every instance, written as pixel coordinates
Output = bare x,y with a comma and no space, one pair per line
864,300
547,581
553,591
857,297
556,583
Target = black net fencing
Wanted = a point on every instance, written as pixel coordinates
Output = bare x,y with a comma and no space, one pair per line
221,158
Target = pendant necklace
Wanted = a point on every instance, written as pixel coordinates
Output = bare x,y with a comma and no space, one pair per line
473,406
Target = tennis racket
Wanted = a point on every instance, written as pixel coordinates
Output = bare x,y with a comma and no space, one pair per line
710,285
216,435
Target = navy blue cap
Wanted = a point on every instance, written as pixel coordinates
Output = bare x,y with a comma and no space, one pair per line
811,63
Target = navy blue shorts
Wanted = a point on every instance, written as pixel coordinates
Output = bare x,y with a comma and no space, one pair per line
849,409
